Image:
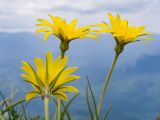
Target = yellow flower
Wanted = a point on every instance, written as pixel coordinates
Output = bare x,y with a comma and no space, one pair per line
66,32
49,78
123,33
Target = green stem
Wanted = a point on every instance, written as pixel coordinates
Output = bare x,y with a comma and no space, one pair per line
107,83
64,46
55,114
59,109
46,108
62,54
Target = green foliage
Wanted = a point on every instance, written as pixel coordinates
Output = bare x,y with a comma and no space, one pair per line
158,117
36,117
93,111
65,112
10,110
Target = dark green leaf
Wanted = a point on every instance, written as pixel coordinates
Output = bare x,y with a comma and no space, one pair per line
93,98
13,105
106,115
66,107
89,106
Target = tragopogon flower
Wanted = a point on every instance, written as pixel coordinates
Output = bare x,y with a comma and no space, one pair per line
123,33
66,32
49,78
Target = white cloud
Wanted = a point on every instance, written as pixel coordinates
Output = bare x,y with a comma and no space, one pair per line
20,15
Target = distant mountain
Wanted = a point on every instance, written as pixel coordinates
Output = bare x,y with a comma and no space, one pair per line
135,84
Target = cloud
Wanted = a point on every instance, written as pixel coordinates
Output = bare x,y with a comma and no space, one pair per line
20,15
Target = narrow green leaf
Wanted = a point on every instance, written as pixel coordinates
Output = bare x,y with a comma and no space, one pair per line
106,115
13,105
89,106
66,107
24,112
55,112
93,98
55,101
67,113
5,102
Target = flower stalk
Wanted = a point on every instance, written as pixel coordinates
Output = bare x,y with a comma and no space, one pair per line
49,79
108,79
59,109
64,46
123,35
46,108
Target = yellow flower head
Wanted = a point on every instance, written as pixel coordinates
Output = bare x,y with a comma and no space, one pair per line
123,33
66,32
63,30
49,78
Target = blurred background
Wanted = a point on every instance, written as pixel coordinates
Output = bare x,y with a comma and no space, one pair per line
134,90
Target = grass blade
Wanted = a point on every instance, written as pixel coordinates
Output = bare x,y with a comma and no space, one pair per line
106,115
13,105
89,106
93,98
67,113
5,102
55,112
24,112
66,107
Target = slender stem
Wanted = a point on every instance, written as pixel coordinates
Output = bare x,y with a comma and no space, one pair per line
1,117
59,101
62,54
46,108
64,46
55,114
59,109
107,83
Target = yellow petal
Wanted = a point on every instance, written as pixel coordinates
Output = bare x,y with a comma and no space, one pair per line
49,67
72,25
26,77
110,16
61,29
147,38
30,95
42,30
47,34
40,67
68,79
29,71
45,22
144,42
69,89
92,36
61,95
65,74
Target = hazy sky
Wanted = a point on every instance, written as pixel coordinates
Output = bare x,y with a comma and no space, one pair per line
135,83
134,87
20,15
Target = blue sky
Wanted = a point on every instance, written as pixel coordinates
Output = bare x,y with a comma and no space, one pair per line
134,88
